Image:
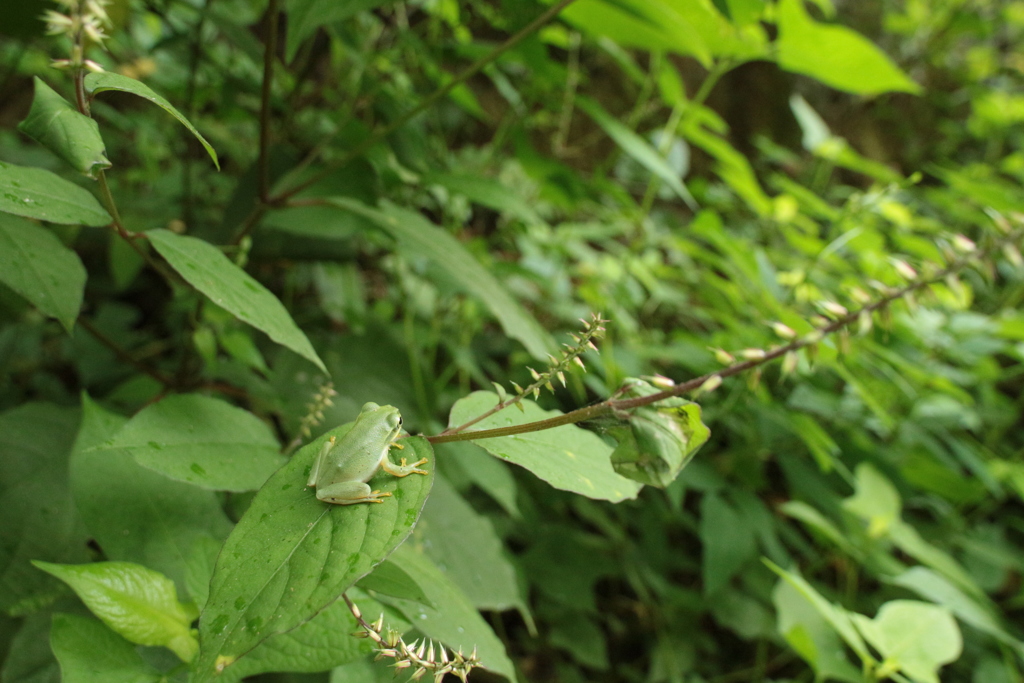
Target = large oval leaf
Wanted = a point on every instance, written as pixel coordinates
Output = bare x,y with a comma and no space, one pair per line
211,272
135,602
37,193
35,264
567,457
917,637
322,643
291,555
134,513
835,55
202,441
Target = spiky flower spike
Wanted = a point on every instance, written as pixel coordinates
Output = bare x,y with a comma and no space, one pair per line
593,329
421,656
84,21
557,367
315,409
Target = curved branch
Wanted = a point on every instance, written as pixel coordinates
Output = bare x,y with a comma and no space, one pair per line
617,405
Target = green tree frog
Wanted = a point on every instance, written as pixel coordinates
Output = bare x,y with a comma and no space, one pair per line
342,468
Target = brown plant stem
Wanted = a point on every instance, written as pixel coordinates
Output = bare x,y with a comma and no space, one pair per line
618,405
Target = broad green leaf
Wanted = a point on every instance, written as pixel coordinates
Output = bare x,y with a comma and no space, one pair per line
978,612
486,192
582,559
292,555
322,643
100,82
137,603
808,633
914,637
875,500
35,264
659,440
89,652
320,222
58,126
837,617
567,457
581,637
492,475
651,25
453,620
835,55
364,670
909,540
200,440
40,521
728,542
389,579
417,237
636,147
136,514
211,272
306,16
745,11
37,193
463,545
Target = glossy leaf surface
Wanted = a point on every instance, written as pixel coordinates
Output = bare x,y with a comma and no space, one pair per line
137,603
45,196
35,264
202,441
291,555
567,457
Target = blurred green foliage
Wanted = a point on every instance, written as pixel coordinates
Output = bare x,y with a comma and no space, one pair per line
694,171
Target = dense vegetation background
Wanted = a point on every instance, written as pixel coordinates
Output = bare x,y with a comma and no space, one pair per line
436,191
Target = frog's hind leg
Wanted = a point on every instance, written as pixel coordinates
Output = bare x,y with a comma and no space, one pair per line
350,493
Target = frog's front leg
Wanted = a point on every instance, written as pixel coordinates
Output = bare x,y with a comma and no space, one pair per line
349,493
402,470
314,472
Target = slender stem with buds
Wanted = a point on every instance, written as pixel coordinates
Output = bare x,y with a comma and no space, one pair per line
841,322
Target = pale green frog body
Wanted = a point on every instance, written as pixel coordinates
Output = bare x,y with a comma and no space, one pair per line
343,466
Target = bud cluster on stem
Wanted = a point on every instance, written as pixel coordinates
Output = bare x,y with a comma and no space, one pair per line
421,656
